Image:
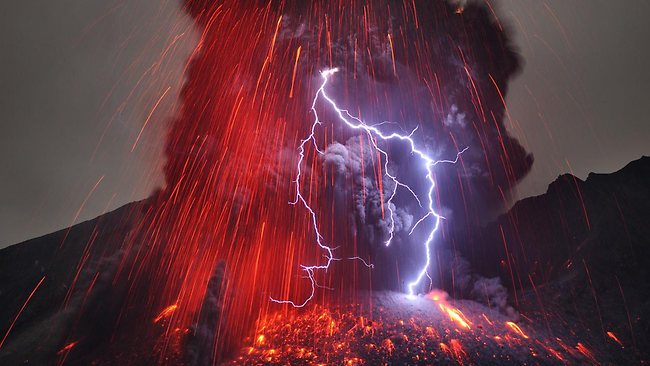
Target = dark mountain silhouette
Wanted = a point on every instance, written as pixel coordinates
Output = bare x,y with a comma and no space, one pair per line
70,262
578,253
582,248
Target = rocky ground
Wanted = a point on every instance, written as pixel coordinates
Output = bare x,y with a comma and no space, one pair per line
399,330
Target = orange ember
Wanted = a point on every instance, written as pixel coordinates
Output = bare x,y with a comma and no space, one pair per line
516,329
614,338
165,313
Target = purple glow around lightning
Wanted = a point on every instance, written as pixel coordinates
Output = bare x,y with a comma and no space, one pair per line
371,131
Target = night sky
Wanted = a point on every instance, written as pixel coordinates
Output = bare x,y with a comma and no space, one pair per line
79,79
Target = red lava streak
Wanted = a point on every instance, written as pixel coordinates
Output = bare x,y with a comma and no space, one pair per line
67,347
165,313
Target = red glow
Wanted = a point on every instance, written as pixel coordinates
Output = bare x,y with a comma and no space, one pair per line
20,311
614,338
165,313
440,297
516,329
67,347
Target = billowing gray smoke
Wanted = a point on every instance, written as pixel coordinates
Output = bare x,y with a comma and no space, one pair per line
464,282
447,74
473,61
348,162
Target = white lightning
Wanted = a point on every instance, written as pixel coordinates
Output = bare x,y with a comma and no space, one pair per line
372,131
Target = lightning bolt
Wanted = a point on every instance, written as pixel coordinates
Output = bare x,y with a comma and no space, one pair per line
373,132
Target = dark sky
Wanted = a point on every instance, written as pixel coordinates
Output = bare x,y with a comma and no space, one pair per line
79,78
581,102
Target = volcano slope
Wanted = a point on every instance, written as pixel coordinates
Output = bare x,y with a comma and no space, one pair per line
579,254
424,330
580,291
575,261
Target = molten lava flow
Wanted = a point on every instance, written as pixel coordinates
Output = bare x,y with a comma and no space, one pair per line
440,297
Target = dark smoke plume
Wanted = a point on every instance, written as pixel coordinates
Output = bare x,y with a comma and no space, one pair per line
425,64
453,90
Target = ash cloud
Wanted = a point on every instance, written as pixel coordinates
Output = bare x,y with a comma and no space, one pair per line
474,61
447,74
354,162
465,282
454,95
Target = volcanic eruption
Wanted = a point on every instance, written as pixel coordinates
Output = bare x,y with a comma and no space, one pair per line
228,167
328,159
429,67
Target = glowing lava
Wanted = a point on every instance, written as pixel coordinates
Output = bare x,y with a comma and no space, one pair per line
457,316
165,313
516,329
398,331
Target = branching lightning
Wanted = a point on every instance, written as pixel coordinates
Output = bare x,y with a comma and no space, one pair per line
373,133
